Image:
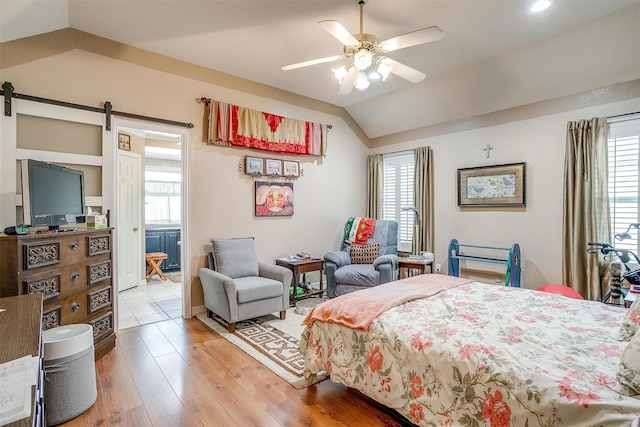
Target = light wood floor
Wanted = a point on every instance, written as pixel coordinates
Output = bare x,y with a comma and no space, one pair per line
179,373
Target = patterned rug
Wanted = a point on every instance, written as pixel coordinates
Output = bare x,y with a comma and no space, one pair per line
269,340
175,277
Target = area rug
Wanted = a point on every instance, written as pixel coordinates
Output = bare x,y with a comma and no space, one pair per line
271,341
174,277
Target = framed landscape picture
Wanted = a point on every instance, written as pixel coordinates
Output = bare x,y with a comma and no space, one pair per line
253,165
273,166
499,185
291,168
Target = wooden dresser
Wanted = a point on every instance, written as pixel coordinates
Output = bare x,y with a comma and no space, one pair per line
21,335
73,271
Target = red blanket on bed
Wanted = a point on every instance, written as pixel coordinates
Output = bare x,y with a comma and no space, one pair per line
357,310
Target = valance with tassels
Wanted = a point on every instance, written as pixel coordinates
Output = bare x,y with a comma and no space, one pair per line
231,125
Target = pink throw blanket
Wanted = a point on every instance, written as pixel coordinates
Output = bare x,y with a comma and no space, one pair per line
357,310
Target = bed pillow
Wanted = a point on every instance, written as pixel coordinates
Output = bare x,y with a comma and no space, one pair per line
629,370
631,322
364,254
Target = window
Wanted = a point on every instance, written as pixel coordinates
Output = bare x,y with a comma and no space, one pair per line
624,179
162,198
397,193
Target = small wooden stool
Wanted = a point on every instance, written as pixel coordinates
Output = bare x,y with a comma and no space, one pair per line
154,259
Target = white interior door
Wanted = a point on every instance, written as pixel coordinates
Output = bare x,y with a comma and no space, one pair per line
129,221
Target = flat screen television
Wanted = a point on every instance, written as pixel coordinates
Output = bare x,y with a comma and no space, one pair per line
52,195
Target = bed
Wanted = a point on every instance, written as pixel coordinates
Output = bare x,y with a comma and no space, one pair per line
461,353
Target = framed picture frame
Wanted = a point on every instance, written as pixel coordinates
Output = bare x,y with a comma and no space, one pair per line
498,185
124,141
273,198
291,168
253,165
273,167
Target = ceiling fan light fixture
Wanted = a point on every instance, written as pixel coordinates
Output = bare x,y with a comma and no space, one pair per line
363,59
340,73
362,82
383,67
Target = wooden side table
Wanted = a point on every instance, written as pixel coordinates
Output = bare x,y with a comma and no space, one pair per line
414,264
299,267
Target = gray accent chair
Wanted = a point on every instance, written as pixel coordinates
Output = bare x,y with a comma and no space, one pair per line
237,287
344,277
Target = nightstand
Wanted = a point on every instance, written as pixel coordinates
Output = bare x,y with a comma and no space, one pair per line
298,267
414,264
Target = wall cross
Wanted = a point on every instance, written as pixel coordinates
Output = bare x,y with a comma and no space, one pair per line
488,149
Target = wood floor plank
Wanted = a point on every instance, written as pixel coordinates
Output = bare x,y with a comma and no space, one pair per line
180,373
155,340
118,388
161,402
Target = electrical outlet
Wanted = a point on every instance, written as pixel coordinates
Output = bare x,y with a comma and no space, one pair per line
438,266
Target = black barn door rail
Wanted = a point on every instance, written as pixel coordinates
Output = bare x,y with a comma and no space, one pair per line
8,93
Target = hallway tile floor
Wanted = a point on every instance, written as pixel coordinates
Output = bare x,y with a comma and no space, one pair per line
148,303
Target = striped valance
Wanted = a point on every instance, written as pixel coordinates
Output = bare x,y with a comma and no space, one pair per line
231,125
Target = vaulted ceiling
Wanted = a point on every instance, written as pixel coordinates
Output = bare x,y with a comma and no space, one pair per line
495,54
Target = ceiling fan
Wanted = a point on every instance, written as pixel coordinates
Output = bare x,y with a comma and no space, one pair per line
365,49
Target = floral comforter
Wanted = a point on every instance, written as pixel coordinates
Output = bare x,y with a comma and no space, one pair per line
483,355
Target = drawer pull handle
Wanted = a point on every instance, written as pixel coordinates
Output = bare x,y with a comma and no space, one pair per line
75,276
74,245
74,306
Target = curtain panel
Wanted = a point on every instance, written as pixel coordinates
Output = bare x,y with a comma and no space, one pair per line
423,197
375,179
234,126
586,205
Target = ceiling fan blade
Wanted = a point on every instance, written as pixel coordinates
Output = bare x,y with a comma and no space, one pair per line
425,35
311,62
406,72
339,32
347,82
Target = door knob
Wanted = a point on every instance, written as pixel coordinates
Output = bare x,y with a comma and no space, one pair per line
136,228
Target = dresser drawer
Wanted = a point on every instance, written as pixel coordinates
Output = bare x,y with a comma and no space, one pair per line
63,281
79,307
64,250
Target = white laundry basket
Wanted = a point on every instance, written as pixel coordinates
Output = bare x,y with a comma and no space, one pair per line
69,372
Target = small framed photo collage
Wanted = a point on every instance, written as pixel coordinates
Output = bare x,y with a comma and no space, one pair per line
271,167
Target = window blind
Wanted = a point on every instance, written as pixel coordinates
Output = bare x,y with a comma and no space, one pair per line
624,179
397,193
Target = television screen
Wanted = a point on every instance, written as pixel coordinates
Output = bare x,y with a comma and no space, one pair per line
52,194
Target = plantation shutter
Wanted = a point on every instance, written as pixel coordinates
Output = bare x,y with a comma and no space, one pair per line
624,178
397,193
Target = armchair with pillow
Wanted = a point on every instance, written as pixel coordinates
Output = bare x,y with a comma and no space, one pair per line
237,287
365,260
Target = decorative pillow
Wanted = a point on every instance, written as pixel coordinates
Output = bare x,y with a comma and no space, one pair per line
235,257
364,254
631,322
629,371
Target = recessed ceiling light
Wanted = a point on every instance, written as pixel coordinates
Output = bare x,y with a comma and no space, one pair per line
540,5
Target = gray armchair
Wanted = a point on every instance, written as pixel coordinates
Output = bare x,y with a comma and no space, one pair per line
344,276
237,287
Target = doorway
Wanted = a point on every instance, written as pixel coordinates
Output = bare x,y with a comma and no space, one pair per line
160,200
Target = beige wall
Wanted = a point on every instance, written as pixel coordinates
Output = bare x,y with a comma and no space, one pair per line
221,197
333,187
540,142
